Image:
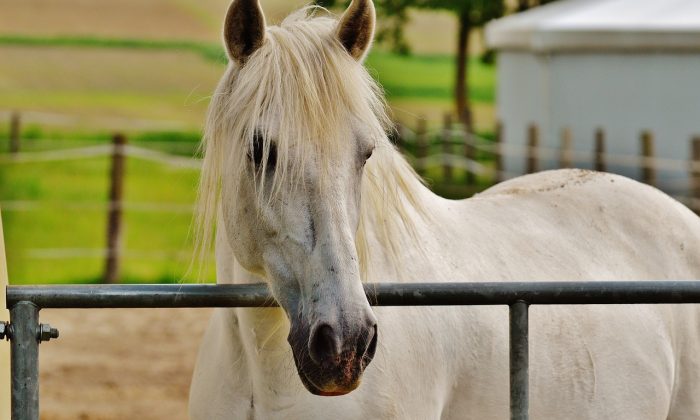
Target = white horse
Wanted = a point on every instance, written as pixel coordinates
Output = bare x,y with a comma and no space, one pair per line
310,197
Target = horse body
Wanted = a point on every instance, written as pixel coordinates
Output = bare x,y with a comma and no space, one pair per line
310,197
586,361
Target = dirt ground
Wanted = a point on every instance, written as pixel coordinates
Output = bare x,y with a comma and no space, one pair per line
119,363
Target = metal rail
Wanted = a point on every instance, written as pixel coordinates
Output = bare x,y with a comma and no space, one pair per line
378,294
26,333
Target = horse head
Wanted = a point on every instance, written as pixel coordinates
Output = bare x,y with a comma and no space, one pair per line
290,129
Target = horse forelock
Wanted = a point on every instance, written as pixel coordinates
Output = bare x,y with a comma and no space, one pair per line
303,91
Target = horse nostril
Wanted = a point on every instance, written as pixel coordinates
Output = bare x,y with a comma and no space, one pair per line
324,345
372,347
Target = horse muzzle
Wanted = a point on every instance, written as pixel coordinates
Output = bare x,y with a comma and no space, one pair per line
330,363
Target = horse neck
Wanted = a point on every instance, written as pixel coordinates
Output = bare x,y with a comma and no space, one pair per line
396,248
262,332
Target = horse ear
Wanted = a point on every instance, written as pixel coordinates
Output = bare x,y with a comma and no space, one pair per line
244,29
356,28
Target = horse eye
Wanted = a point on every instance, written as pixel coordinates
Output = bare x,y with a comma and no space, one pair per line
367,156
258,149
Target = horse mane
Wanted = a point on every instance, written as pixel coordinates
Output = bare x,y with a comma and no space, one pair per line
302,79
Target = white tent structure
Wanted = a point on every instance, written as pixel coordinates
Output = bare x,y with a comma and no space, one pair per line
623,66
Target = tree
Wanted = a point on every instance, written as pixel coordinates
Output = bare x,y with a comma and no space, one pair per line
469,13
527,4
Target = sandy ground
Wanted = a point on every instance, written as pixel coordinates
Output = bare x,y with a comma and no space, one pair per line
119,363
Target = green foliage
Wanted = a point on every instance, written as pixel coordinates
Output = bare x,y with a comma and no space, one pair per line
394,15
479,11
527,4
326,3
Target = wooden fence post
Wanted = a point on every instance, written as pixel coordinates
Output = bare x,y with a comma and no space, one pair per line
422,145
447,147
533,141
114,218
469,152
565,149
466,119
695,173
14,132
599,155
497,155
648,168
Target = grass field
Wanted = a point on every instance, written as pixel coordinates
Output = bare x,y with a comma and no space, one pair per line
159,60
171,81
185,20
153,19
60,240
419,85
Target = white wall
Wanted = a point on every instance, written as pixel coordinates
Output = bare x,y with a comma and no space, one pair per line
622,93
522,99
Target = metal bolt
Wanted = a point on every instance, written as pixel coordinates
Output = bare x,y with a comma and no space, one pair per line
46,333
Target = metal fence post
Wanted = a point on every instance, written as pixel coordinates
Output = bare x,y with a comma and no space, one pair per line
519,364
24,356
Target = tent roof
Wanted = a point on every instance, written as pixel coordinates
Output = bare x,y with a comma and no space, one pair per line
600,25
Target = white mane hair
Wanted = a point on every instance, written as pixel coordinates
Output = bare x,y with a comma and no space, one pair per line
303,81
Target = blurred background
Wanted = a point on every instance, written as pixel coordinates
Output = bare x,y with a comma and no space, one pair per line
101,110
601,84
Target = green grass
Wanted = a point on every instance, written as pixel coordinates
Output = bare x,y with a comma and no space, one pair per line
429,77
157,244
402,76
33,132
208,51
37,138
